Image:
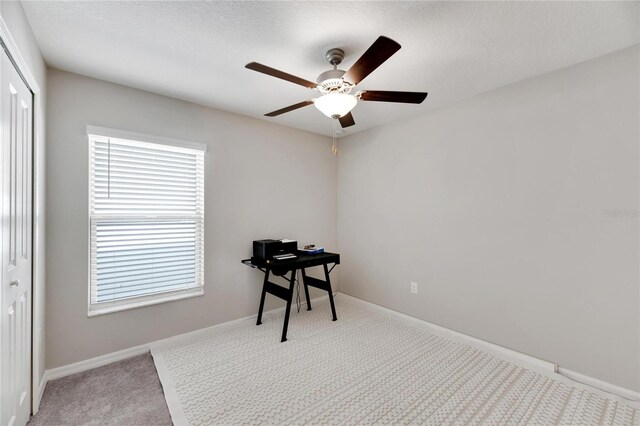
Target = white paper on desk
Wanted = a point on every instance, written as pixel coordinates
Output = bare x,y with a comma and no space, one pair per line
286,240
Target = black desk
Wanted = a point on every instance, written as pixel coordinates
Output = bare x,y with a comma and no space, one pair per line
300,263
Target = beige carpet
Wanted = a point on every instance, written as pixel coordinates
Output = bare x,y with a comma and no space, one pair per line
369,367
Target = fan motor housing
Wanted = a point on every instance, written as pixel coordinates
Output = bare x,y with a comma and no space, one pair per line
331,82
330,75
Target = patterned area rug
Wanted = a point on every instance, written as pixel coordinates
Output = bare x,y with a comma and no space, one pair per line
369,367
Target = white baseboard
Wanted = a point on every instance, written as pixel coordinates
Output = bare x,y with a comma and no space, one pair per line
99,361
38,395
519,358
88,364
502,352
600,384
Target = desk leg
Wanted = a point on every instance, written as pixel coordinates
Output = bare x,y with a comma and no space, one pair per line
292,283
306,289
264,294
333,306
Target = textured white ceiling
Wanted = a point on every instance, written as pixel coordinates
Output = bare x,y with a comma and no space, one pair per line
197,50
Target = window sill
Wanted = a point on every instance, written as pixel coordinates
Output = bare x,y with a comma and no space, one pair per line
125,305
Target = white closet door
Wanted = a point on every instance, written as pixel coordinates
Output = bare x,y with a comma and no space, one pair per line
15,177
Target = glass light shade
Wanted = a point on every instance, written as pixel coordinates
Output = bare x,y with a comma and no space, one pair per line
335,105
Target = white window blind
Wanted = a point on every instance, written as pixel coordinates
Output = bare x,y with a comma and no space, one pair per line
146,205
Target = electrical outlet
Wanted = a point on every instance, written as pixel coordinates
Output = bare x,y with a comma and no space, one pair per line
414,287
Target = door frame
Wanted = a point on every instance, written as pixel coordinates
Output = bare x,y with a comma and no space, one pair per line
38,219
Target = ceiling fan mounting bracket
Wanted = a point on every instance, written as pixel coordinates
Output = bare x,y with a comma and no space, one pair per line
335,56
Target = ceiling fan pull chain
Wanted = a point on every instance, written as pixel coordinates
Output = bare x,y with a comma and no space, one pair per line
334,148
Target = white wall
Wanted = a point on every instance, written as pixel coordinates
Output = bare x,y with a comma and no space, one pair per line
261,181
20,32
497,208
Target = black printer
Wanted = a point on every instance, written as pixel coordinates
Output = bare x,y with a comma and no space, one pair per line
266,249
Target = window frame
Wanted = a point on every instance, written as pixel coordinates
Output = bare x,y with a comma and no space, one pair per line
95,309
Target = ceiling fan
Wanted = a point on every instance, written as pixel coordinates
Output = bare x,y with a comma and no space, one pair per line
336,100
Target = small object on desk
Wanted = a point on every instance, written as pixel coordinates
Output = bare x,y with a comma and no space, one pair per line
284,256
311,249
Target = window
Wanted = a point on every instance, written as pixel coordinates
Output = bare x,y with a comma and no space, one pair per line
146,214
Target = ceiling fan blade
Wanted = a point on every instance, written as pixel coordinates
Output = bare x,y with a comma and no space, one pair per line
385,96
381,50
280,74
289,108
346,120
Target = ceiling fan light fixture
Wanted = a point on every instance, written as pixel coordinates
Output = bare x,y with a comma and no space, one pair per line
335,105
